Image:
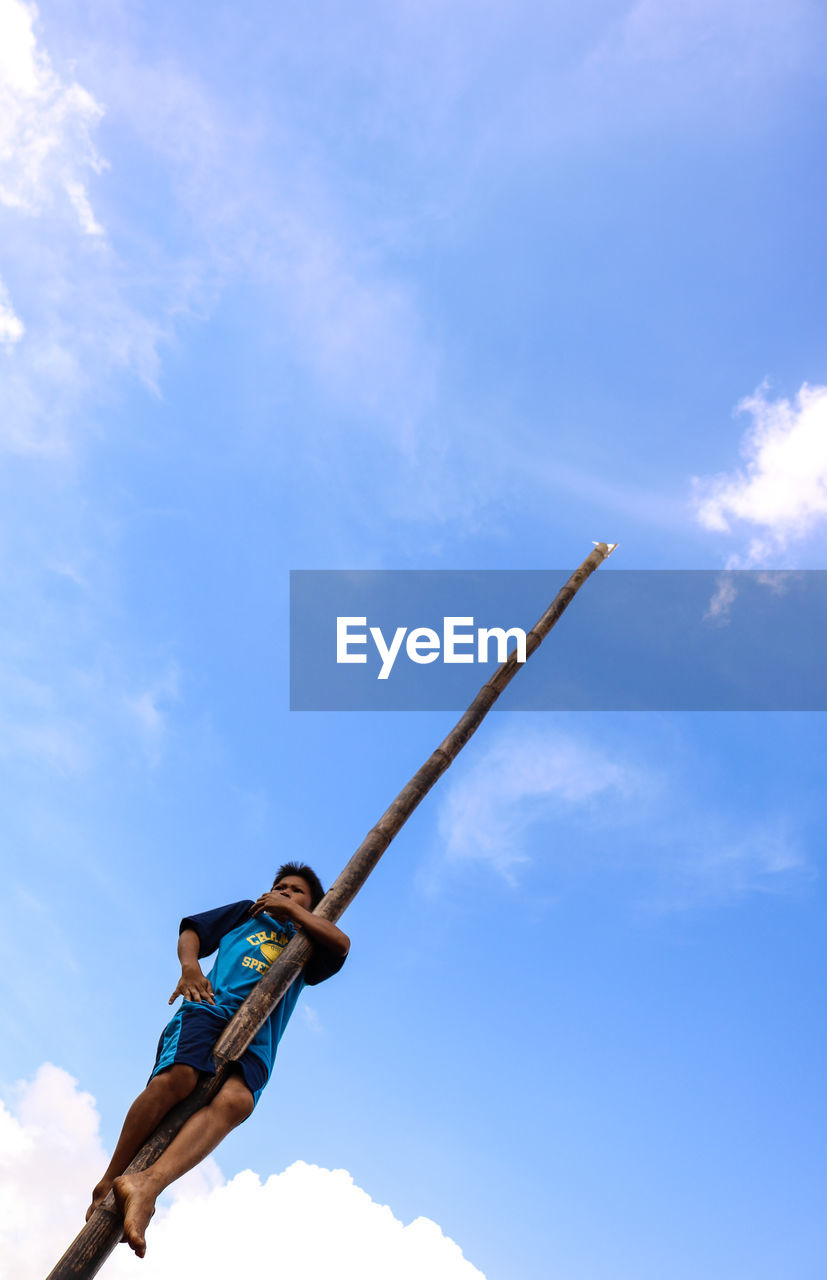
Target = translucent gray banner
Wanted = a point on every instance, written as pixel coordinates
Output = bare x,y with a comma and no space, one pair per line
633,640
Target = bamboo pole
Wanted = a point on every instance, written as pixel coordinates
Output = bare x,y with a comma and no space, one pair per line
92,1246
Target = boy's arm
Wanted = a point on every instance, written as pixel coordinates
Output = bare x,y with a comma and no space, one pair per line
324,932
192,984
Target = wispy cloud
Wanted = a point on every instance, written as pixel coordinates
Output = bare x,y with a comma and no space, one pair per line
11,326
722,599
64,717
311,1019
778,497
701,55
148,709
518,785
262,205
259,206
80,202
81,323
671,31
533,789
74,318
46,124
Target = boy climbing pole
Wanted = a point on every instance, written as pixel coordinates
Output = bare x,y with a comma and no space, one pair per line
96,1240
249,935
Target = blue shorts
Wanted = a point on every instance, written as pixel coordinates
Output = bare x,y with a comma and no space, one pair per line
189,1037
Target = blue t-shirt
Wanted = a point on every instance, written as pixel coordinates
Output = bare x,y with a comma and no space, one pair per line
247,946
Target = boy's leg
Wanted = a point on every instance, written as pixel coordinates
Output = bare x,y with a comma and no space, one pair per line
142,1118
136,1193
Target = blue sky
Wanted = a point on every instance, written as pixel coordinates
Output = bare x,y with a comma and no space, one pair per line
438,286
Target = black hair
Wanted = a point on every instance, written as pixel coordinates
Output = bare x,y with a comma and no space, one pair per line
306,873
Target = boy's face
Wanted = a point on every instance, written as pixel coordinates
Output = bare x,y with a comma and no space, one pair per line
297,889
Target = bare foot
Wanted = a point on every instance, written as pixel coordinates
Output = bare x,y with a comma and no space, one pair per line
98,1196
135,1198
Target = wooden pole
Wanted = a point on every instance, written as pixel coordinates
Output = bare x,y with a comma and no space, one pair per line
92,1246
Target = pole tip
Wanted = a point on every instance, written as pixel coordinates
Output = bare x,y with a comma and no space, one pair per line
610,546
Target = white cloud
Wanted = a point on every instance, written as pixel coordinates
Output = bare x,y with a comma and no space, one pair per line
11,326
319,1224
64,716
517,784
261,205
45,124
518,801
81,324
80,201
305,1221
147,709
695,57
669,31
50,1155
722,599
779,494
311,1019
258,206
57,744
